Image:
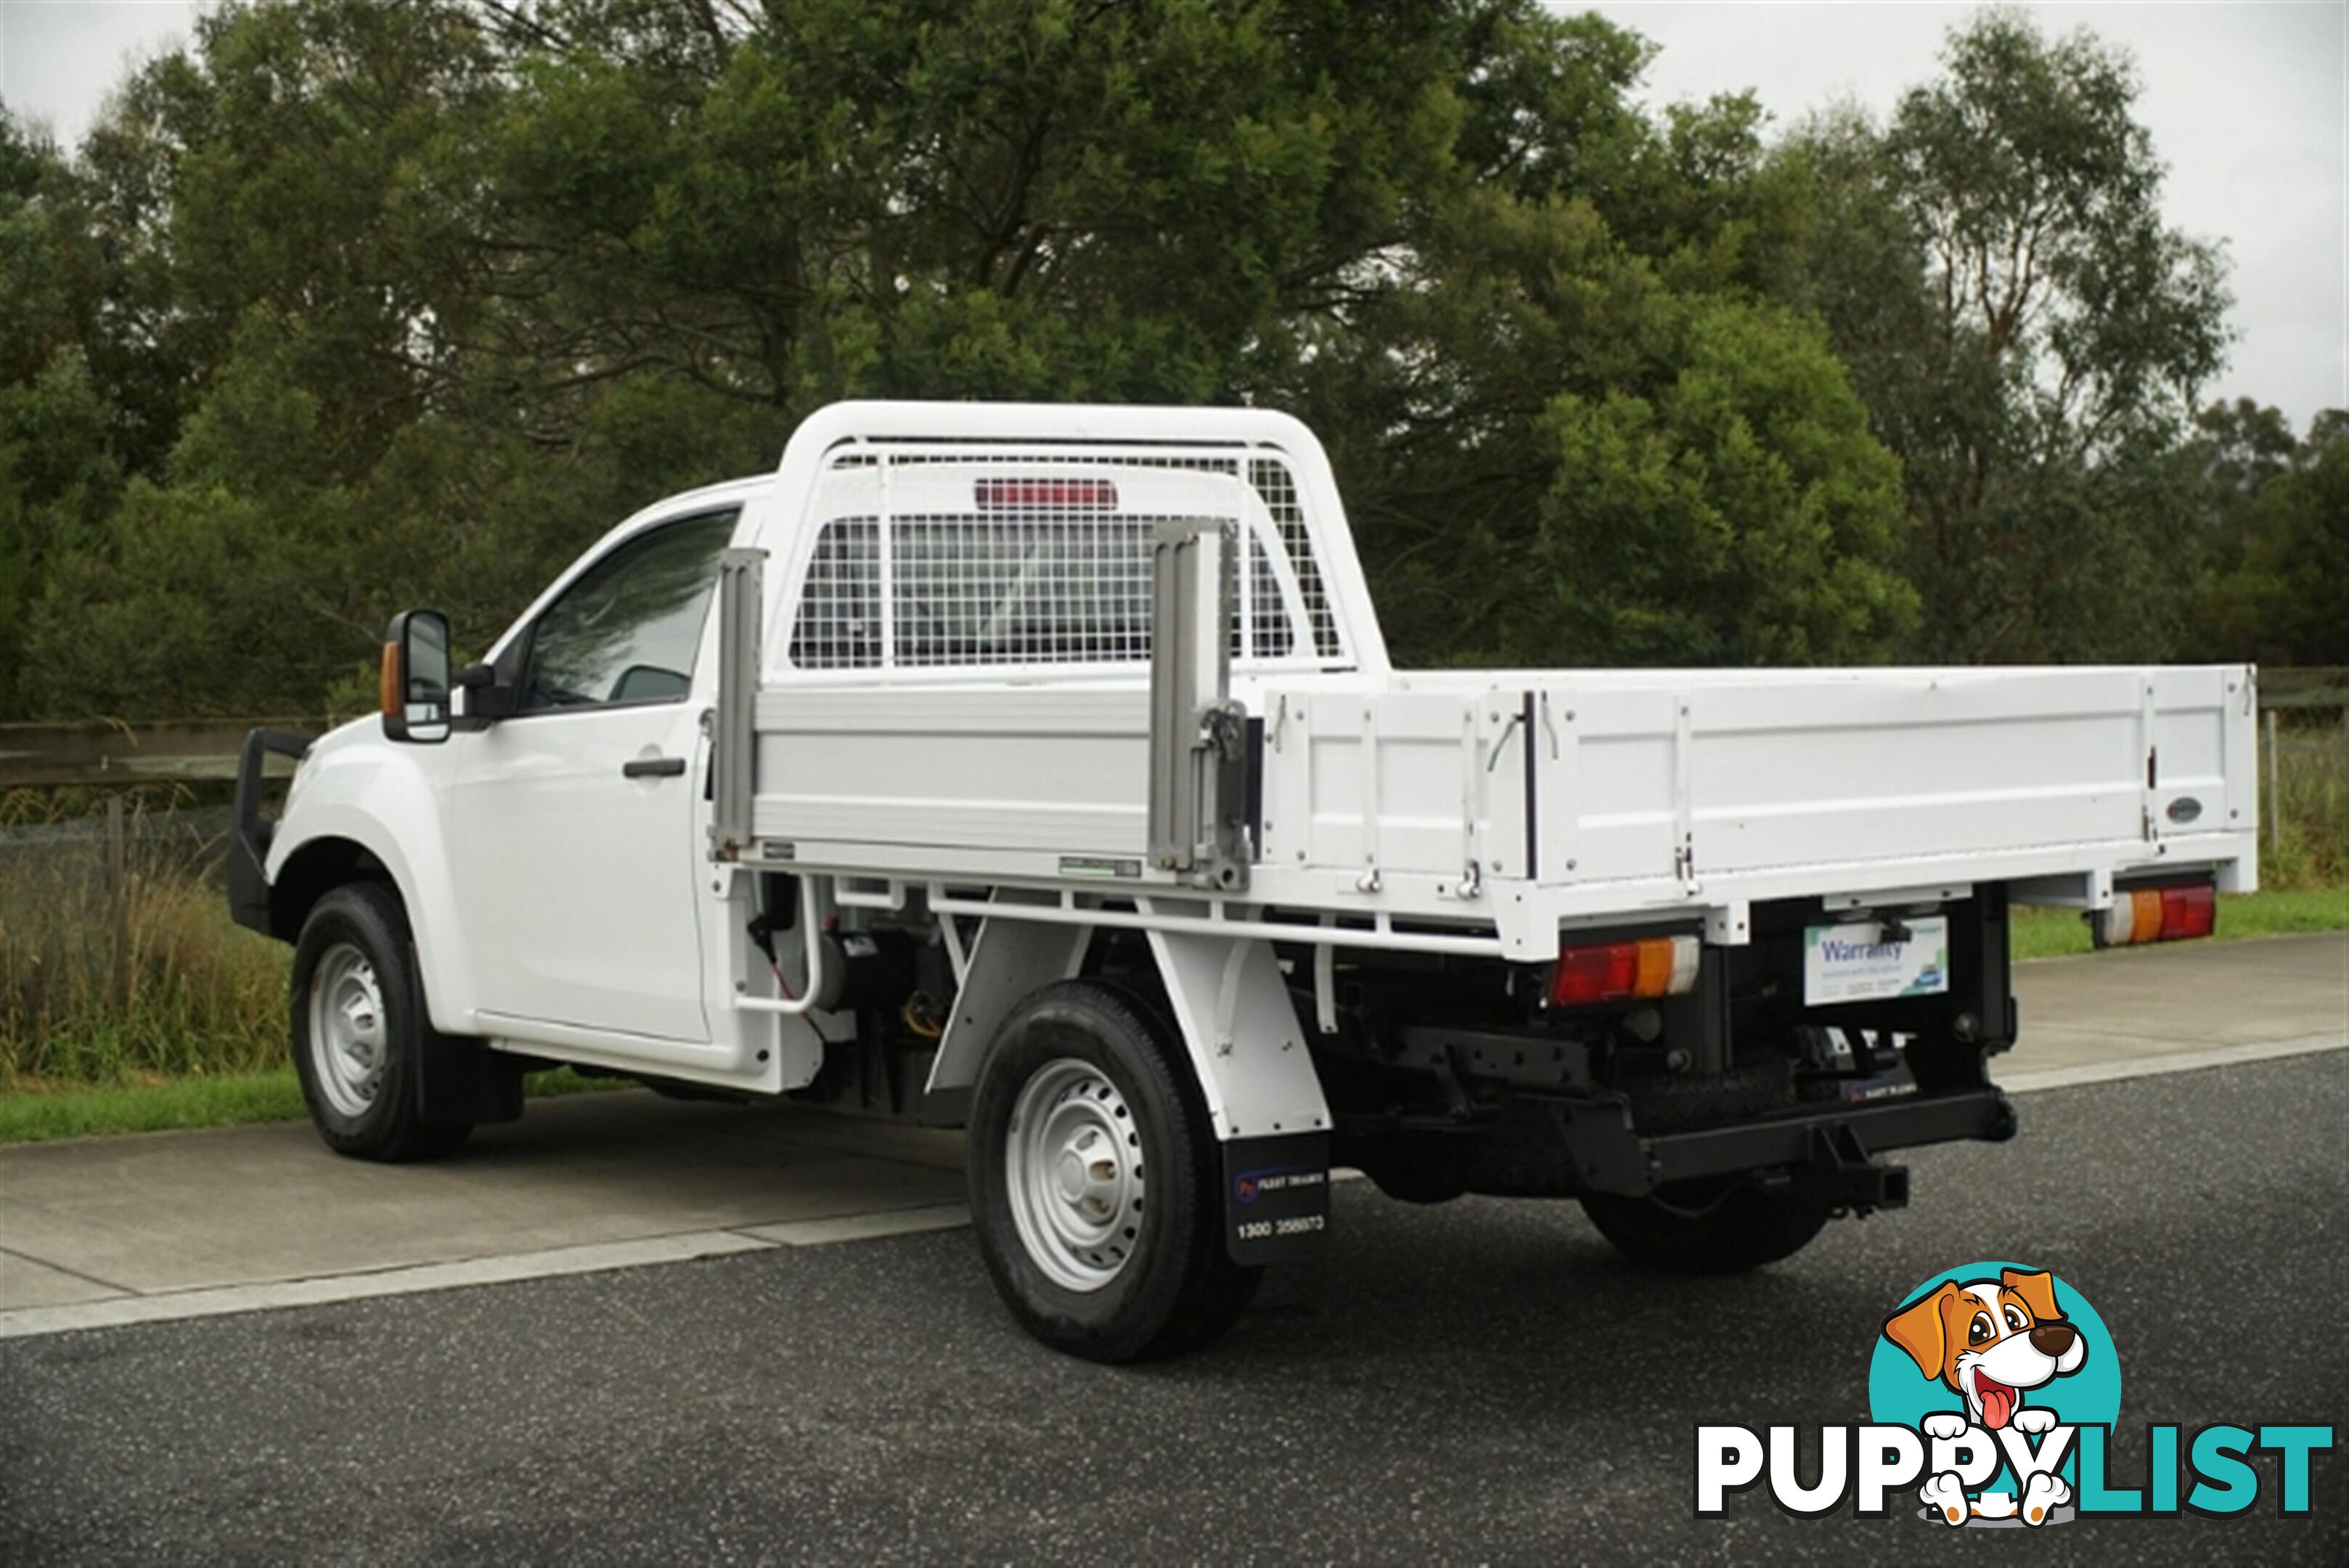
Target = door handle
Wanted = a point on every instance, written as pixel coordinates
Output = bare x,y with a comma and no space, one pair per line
652,768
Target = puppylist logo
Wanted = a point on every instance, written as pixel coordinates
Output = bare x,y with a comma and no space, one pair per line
2013,1361
1993,1392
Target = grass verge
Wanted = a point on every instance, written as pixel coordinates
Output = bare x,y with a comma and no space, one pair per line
124,973
225,1099
2060,933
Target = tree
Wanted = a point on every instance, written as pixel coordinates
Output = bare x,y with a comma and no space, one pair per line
2278,574
1741,515
2245,445
58,464
1572,432
1576,463
2029,336
436,292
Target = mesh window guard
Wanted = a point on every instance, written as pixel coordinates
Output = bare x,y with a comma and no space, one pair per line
1062,583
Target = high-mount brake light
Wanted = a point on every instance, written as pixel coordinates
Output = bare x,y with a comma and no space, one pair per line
1638,970
2158,915
1050,494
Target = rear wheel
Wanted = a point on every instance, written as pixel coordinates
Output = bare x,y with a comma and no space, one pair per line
1095,1185
1723,1226
358,1025
1405,1182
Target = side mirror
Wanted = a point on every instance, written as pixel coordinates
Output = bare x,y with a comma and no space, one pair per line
489,695
414,688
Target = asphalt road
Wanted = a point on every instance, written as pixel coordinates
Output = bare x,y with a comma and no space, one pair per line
1480,1381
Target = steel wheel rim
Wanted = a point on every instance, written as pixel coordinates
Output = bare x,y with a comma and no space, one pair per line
1072,1166
349,1039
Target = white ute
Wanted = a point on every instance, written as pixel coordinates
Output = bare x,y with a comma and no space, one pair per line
1039,771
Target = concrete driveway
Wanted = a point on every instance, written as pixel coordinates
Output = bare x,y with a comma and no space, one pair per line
127,1230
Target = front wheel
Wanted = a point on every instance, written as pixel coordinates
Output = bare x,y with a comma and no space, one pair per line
359,1028
1095,1180
1723,1227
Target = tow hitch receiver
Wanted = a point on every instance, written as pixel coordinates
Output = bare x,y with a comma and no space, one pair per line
1850,1176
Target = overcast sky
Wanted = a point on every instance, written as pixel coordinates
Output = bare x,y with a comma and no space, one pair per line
2247,102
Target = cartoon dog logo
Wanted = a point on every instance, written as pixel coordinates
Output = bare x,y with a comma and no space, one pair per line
1991,1341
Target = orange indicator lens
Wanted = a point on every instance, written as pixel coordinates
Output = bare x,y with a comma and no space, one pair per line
2159,915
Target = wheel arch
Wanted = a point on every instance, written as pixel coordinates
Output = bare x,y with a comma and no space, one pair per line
1226,998
339,844
318,868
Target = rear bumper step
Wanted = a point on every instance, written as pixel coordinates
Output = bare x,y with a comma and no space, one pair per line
1836,1145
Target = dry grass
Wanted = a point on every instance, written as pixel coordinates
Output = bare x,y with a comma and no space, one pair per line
180,991
2307,844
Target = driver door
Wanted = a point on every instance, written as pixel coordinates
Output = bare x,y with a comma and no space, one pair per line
577,817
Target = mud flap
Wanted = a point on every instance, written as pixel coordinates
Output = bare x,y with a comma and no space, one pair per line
461,1083
1275,1196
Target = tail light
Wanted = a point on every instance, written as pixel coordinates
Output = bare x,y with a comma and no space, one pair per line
1048,494
2158,915
1624,971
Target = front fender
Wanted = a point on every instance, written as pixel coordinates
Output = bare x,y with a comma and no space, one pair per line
387,799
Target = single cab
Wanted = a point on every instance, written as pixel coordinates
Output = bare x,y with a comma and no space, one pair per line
1040,771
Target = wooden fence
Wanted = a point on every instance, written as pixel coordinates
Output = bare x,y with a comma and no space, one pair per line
109,751
2287,690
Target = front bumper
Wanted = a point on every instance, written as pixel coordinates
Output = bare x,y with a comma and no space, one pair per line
248,845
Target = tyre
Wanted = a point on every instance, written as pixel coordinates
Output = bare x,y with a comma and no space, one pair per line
1723,1226
359,1027
1096,1182
1407,1183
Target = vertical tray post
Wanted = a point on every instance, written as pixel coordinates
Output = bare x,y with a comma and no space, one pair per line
1198,735
733,719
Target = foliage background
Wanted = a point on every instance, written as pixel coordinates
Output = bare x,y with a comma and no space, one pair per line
359,304
362,304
